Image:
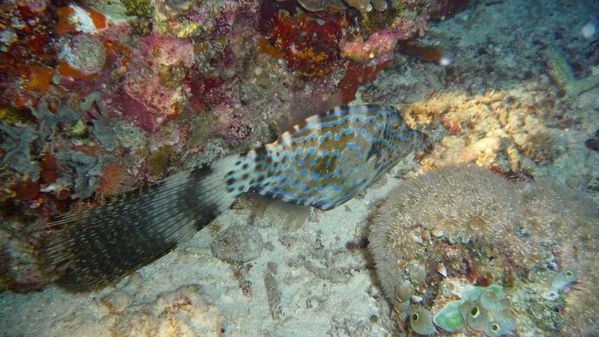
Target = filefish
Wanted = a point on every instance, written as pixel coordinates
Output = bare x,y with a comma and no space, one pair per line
322,162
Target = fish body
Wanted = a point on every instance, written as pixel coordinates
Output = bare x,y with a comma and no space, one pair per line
322,162
328,159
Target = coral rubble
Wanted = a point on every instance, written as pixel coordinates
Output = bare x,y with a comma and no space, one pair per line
517,255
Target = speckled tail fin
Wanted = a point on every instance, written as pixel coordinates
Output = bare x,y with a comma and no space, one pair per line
92,247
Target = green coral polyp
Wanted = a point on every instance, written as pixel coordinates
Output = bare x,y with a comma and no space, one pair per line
494,327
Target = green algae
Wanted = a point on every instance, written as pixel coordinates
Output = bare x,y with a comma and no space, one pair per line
78,129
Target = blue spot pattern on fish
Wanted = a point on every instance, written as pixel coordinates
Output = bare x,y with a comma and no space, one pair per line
327,159
322,162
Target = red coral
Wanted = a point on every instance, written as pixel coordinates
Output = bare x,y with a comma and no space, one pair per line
49,171
137,112
111,180
421,52
63,26
67,70
39,78
358,74
26,189
98,18
377,45
308,43
205,92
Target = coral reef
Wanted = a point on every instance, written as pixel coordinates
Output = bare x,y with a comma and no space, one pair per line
104,96
149,62
515,255
384,33
377,44
511,131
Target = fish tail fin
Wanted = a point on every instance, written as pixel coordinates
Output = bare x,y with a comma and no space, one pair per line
95,246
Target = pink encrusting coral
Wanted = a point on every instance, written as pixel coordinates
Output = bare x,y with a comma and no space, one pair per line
382,42
376,45
156,79
229,122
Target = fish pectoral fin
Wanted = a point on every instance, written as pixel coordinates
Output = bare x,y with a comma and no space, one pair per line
286,217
